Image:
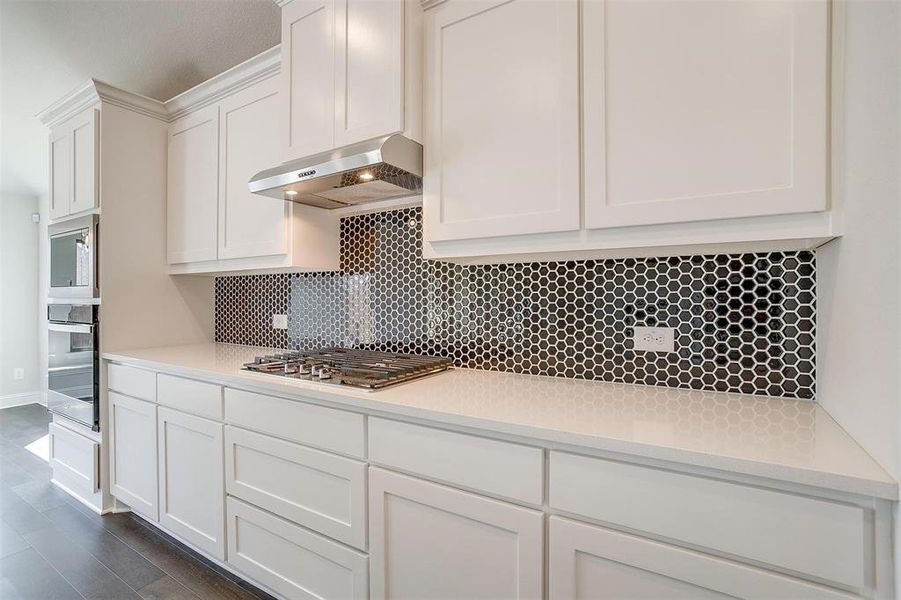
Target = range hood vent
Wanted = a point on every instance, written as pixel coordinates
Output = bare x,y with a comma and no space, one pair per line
389,167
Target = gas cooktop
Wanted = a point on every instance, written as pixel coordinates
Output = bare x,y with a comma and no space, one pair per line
367,369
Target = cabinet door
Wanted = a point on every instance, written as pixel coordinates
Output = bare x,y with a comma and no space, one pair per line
192,493
193,187
85,191
60,171
502,119
431,541
703,110
369,69
249,133
592,562
308,76
133,454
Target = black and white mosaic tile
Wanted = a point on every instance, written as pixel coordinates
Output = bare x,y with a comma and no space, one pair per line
744,322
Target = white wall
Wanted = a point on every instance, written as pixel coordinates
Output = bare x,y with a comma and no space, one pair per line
19,300
859,275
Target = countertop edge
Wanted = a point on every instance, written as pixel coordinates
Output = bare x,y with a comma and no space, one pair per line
885,490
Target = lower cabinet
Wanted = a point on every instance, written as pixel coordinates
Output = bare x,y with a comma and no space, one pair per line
74,459
293,561
586,561
192,492
133,454
432,541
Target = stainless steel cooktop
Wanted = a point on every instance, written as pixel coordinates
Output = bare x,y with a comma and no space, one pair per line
367,369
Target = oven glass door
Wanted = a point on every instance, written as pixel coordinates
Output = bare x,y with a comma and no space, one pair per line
72,374
71,259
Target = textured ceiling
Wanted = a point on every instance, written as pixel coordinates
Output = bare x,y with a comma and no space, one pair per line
158,48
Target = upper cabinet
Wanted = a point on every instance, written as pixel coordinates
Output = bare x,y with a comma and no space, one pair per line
502,124
193,186
215,225
559,128
342,73
74,149
703,110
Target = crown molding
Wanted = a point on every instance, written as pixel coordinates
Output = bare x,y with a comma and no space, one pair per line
262,66
282,3
93,91
427,4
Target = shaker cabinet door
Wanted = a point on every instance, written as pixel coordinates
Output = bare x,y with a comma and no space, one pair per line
249,134
193,187
308,77
369,69
502,123
60,171
432,541
192,489
85,191
697,110
133,454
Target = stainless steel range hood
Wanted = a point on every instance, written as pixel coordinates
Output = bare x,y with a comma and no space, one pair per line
389,167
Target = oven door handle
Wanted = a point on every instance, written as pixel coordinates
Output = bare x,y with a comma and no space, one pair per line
70,328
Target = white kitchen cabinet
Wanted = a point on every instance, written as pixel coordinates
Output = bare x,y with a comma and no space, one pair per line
291,560
369,69
502,122
319,490
249,134
432,541
60,171
612,128
133,454
589,562
308,77
704,110
215,224
193,192
191,463
342,73
74,148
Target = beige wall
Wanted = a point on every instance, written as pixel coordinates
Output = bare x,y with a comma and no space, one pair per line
20,317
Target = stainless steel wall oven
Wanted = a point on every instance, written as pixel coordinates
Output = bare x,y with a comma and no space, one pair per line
73,366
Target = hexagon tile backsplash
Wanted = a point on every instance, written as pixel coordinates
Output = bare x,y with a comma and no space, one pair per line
744,322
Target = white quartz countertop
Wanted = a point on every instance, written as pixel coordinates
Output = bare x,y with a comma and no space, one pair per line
785,440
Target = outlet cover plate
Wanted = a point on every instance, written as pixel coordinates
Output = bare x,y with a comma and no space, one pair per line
279,321
654,339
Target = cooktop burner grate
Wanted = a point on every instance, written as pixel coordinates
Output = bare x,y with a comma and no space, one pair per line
366,369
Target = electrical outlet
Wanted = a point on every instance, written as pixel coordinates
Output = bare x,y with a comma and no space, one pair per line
654,339
18,373
279,321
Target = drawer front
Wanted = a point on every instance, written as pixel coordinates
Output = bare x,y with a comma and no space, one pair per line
322,491
76,457
137,383
290,560
592,562
499,468
816,537
187,395
326,428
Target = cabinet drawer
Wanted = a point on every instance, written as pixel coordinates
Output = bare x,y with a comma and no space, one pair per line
137,383
327,428
499,468
291,560
74,459
817,537
592,562
196,397
319,490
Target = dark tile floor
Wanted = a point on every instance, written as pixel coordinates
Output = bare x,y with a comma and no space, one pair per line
53,547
